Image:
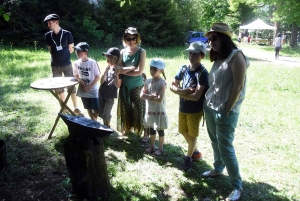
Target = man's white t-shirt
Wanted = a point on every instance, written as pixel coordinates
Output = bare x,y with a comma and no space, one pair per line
87,71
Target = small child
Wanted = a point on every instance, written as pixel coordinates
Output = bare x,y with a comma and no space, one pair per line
155,115
87,72
194,79
110,82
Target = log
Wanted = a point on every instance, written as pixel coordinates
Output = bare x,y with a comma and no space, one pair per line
85,160
2,155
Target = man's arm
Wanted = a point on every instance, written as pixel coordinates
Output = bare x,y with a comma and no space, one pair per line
71,49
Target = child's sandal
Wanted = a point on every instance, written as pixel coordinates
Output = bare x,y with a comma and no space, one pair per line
150,150
158,152
145,139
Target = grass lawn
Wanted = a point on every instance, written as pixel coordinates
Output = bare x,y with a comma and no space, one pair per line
266,140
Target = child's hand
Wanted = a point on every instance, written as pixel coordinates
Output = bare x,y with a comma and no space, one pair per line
173,88
118,69
87,88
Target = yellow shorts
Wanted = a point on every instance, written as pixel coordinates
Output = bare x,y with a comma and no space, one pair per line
189,123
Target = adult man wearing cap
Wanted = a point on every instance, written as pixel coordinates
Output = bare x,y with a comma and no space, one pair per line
60,45
194,79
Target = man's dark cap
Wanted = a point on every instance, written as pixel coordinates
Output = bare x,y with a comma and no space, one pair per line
51,17
82,46
112,51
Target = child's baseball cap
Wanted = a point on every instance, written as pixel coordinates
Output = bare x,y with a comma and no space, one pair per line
82,46
112,51
197,47
158,63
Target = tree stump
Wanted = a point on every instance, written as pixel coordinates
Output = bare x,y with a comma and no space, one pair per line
2,155
85,160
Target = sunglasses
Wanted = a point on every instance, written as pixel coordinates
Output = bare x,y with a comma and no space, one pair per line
212,39
130,39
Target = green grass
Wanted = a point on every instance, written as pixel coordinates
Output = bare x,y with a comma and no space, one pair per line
266,139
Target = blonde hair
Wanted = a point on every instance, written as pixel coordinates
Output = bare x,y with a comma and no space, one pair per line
114,58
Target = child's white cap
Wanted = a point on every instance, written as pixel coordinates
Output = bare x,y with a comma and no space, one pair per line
158,63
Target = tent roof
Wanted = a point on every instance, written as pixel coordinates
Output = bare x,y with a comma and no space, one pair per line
257,24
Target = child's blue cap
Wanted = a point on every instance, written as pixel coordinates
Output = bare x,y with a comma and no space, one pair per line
158,63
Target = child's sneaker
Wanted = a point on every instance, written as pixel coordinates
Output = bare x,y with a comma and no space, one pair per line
78,112
196,156
187,164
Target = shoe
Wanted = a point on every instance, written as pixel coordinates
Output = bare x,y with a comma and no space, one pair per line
187,164
145,139
78,112
158,152
197,156
150,150
234,195
211,173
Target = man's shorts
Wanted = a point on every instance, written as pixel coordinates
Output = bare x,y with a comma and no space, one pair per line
189,123
67,70
90,103
105,107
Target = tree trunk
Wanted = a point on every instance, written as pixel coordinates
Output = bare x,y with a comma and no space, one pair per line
87,169
293,41
2,155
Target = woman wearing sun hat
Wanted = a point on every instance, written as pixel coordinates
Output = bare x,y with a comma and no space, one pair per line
131,109
223,99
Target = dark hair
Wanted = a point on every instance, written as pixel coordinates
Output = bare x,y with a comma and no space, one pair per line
227,45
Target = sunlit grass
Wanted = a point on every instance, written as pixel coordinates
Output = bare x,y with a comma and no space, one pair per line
266,138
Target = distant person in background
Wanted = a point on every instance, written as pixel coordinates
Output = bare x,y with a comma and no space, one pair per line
277,45
223,99
249,39
283,39
60,45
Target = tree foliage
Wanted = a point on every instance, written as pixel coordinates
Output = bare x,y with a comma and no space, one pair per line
161,23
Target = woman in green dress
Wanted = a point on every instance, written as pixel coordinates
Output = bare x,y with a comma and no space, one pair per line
131,109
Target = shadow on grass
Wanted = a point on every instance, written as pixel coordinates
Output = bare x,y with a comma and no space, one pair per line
33,171
196,188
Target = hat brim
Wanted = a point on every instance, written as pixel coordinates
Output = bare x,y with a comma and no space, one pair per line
105,53
223,32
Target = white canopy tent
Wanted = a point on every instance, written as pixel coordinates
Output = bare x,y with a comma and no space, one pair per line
258,25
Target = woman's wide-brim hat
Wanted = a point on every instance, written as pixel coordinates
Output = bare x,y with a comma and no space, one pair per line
221,28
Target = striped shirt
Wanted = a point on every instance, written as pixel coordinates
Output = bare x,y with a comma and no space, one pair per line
220,84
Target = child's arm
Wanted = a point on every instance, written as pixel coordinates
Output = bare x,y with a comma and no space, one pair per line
97,78
104,76
144,94
195,95
159,98
118,81
175,88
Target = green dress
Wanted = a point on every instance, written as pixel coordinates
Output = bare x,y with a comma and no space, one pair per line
131,108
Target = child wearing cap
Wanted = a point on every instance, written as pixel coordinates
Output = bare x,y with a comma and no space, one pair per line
155,115
87,72
111,80
194,78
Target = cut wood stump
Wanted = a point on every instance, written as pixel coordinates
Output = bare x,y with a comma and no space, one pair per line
85,160
2,155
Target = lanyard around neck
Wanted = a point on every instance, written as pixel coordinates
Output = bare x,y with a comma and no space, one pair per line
60,37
